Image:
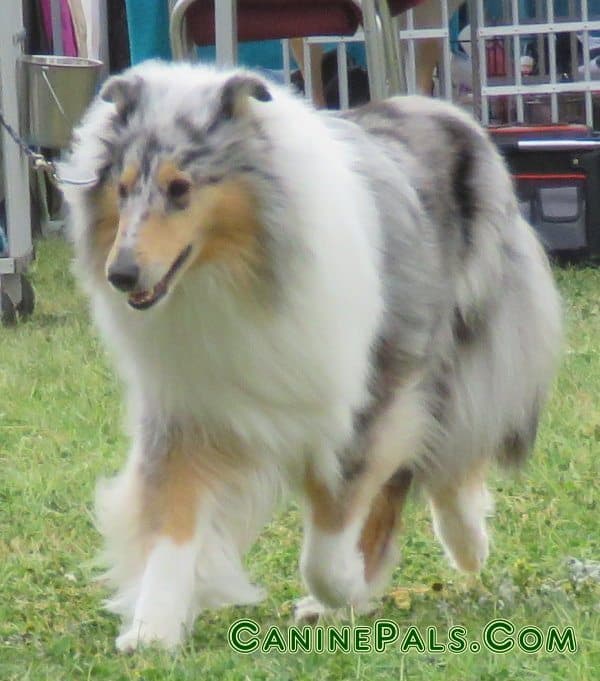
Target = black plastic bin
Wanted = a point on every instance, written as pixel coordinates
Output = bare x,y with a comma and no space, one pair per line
557,176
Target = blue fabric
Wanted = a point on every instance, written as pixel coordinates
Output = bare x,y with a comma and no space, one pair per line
148,27
265,54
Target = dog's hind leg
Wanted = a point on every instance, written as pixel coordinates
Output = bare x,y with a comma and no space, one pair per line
459,511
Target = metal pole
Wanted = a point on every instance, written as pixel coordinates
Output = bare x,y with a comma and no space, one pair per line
589,114
342,59
16,171
57,36
395,80
411,67
552,62
447,57
287,69
226,32
103,50
478,76
307,59
375,60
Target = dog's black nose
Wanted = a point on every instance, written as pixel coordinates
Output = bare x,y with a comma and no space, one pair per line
124,273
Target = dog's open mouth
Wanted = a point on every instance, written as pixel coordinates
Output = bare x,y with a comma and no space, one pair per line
142,300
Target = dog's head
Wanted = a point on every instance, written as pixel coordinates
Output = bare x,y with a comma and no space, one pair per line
178,180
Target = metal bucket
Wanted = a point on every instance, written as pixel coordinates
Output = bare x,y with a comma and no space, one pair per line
54,92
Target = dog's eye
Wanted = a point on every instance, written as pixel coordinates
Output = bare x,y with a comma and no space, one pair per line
123,191
178,189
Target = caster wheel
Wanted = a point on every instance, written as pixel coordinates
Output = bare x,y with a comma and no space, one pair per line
25,307
8,314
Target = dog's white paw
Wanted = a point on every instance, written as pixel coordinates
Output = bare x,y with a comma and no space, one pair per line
308,610
142,634
337,581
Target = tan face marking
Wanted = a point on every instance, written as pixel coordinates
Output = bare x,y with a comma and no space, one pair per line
220,223
234,228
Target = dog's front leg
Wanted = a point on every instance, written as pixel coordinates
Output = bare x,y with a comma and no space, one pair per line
351,522
348,542
169,495
163,610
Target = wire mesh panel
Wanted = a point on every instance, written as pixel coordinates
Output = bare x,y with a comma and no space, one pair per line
427,47
425,42
531,61
340,45
551,56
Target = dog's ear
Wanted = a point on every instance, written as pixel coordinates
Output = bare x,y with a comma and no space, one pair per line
124,92
235,95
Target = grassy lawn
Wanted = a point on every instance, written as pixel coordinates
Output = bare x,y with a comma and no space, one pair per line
60,414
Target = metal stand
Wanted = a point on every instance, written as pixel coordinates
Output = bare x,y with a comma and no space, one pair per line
15,290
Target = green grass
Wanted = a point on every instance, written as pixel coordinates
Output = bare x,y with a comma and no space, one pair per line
60,415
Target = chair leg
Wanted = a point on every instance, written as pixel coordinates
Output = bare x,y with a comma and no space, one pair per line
396,84
181,48
374,51
226,32
386,76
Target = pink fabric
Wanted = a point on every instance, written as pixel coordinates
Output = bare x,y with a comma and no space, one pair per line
68,31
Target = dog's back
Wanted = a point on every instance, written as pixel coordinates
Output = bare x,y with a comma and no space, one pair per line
482,301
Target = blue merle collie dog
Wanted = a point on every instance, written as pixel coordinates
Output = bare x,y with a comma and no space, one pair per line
341,306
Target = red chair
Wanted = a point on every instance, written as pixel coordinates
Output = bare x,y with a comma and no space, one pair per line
193,22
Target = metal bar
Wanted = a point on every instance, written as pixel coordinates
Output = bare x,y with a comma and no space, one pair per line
541,88
573,42
56,20
226,32
557,145
549,27
178,36
541,50
478,69
423,33
446,68
358,37
16,169
342,60
375,60
287,70
308,84
552,62
103,47
411,67
589,114
517,59
394,75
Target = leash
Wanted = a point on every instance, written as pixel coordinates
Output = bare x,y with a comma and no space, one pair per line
39,162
